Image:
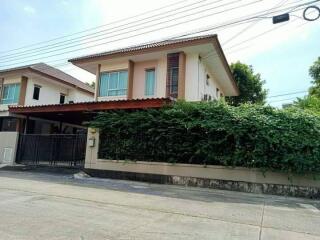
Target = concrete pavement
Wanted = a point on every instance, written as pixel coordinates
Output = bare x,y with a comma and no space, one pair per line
40,205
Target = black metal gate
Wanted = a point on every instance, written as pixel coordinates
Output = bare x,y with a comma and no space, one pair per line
64,150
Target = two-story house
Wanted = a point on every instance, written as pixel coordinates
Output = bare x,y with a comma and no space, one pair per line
193,69
38,84
145,76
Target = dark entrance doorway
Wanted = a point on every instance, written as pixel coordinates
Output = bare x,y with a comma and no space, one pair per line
59,150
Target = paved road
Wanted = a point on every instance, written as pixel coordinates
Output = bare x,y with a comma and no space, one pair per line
51,205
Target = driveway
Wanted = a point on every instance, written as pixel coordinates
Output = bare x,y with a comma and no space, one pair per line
36,204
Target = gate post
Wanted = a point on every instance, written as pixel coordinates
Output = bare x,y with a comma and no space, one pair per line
92,148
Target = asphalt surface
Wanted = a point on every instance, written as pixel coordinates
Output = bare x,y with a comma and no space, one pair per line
44,203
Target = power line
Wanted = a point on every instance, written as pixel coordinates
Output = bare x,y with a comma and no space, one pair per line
163,27
260,35
119,34
15,57
280,4
228,23
252,38
282,100
97,27
105,31
215,55
287,94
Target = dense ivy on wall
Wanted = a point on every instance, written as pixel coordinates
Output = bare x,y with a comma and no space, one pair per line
214,134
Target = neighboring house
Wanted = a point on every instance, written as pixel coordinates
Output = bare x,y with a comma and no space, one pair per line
38,84
193,69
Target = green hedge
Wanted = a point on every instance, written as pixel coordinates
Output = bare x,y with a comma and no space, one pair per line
214,134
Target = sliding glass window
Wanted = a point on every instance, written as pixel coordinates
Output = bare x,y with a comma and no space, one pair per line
11,93
113,84
150,82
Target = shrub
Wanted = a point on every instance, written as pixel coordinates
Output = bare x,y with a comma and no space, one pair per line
214,134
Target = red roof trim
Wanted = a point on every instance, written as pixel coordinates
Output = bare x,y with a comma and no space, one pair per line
93,106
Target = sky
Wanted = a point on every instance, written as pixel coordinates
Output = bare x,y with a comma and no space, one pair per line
55,31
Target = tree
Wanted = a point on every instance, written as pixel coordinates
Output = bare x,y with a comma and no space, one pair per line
314,72
250,85
309,103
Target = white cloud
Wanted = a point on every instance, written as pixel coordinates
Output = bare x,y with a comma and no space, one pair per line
29,10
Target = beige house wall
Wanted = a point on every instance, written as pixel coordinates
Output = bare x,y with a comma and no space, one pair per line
191,170
160,66
195,78
12,79
139,78
124,64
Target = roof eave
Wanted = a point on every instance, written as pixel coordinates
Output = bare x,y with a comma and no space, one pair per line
93,58
30,69
61,81
226,65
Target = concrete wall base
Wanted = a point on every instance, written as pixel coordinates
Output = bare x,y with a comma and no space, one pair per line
261,188
264,188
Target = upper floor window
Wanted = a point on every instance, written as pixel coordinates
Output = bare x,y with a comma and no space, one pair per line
173,74
113,84
62,98
36,92
11,93
150,82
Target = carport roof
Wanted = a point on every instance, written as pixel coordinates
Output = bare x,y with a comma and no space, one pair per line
77,113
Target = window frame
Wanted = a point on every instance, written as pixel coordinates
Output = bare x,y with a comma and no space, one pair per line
64,98
7,98
118,80
155,82
171,80
34,87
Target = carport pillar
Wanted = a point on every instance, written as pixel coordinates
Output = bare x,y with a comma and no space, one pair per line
92,148
97,85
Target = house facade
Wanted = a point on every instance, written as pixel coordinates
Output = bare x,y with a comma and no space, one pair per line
38,84
151,75
192,69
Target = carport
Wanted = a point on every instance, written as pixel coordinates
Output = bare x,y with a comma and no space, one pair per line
66,149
